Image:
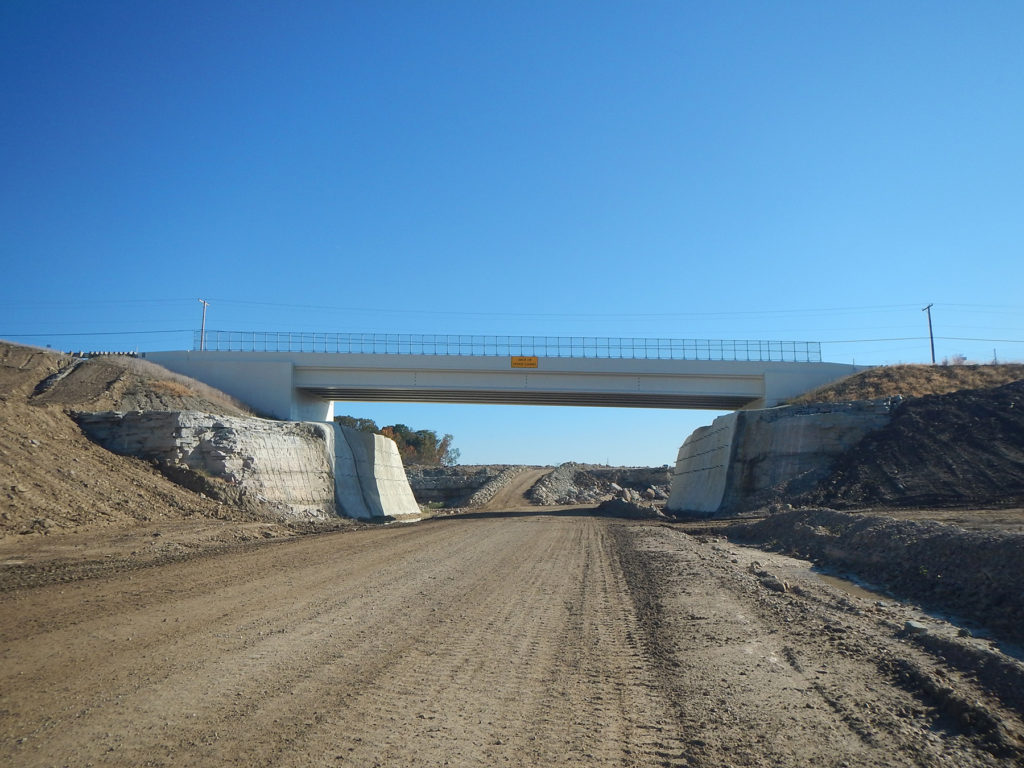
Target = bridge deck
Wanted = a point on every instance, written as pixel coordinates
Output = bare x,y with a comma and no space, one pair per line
303,385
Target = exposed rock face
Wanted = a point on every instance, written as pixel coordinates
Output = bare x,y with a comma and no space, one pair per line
748,459
453,486
958,449
298,470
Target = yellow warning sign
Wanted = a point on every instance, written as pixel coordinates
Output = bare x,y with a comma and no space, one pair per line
524,362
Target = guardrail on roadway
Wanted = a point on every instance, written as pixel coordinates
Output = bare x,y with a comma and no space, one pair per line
510,346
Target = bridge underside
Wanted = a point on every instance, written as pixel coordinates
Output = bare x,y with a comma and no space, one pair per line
510,397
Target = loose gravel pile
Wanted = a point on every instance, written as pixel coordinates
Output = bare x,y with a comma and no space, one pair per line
573,483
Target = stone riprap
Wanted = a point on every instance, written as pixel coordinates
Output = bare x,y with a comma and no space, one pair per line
296,470
748,459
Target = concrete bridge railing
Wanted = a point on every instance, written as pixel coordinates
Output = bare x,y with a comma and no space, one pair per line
468,345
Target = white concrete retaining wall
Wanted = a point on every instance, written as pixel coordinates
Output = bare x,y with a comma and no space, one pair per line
747,459
369,476
702,466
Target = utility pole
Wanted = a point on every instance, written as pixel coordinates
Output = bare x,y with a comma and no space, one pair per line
931,338
202,332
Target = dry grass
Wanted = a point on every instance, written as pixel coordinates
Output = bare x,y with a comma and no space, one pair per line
913,381
161,380
175,388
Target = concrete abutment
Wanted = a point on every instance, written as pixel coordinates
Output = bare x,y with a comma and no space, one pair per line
748,459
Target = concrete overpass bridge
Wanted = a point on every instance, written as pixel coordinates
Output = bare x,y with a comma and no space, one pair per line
298,375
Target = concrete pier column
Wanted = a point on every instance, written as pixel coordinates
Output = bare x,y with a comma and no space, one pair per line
305,407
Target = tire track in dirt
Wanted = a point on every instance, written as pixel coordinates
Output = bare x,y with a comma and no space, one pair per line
513,495
798,674
506,640
491,641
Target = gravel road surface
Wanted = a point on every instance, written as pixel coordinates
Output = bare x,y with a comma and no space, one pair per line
518,639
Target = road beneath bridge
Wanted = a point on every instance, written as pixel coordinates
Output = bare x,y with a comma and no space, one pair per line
514,639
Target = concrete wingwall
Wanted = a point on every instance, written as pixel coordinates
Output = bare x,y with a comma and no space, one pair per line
702,467
297,470
747,459
369,477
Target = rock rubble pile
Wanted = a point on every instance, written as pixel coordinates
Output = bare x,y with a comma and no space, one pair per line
573,483
487,492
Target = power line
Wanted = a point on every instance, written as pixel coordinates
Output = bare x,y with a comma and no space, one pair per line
865,341
603,315
963,338
920,338
77,302
95,333
823,341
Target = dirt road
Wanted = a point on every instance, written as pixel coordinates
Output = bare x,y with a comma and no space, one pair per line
525,640
513,495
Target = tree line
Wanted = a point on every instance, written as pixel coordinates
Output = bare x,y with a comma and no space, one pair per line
421,446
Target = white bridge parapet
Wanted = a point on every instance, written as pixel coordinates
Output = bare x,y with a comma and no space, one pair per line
303,385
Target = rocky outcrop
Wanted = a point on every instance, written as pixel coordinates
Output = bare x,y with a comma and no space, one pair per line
295,470
453,486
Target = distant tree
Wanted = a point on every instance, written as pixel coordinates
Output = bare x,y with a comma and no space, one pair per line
362,425
422,446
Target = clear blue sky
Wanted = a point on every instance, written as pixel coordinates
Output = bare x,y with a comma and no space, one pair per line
743,170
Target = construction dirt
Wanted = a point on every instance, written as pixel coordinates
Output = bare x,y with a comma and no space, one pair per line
145,624
513,640
54,481
960,448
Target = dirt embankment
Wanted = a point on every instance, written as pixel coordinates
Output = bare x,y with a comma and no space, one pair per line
960,448
975,575
53,479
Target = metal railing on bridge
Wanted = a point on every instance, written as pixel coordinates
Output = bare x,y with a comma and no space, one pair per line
510,346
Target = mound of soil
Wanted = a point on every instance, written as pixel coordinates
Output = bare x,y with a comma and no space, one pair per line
972,574
53,479
121,383
963,448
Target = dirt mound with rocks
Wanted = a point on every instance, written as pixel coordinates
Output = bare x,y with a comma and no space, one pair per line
630,510
975,575
53,479
962,448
